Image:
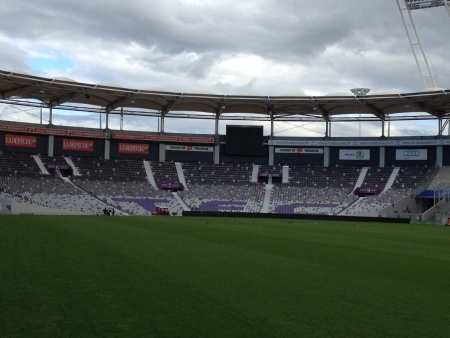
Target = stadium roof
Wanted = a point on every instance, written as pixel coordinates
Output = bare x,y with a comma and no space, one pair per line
18,88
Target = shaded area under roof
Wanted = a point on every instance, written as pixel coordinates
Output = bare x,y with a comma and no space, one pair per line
61,93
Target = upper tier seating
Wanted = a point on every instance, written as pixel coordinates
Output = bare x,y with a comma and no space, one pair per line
117,170
164,172
16,164
215,174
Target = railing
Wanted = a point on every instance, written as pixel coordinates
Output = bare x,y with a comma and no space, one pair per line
421,186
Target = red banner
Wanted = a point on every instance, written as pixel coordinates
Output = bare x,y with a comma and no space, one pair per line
20,141
78,145
160,138
89,134
50,131
197,139
20,129
133,148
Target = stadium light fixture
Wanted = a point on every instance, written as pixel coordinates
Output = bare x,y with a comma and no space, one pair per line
420,4
360,91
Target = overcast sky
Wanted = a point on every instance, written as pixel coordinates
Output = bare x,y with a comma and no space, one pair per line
261,47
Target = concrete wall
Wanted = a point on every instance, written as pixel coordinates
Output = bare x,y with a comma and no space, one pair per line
23,208
295,216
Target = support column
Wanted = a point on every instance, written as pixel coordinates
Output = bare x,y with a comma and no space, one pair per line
162,152
326,156
382,128
271,123
121,118
217,154
51,145
50,117
107,118
161,124
439,156
216,125
107,149
326,128
382,157
271,155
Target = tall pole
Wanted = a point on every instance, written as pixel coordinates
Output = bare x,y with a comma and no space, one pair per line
360,92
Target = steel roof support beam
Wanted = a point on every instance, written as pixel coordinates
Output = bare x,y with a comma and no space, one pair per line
50,115
166,110
171,104
121,102
271,113
444,126
108,110
17,91
220,108
378,113
424,108
326,117
66,98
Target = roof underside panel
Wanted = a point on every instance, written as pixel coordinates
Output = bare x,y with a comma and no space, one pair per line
66,94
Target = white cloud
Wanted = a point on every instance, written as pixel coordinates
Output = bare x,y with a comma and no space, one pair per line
226,47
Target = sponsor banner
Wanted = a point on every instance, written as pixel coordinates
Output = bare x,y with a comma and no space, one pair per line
78,145
5,127
190,148
160,138
133,148
299,150
144,137
23,141
89,134
359,143
197,139
411,154
354,154
50,131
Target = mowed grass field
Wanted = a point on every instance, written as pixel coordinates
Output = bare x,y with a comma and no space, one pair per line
83,276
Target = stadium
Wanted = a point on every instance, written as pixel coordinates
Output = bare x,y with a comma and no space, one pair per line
272,236
49,168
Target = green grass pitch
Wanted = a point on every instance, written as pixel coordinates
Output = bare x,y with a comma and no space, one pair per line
96,276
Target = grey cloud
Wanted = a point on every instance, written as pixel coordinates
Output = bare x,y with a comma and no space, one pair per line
322,46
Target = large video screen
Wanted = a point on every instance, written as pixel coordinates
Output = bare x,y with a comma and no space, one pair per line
244,140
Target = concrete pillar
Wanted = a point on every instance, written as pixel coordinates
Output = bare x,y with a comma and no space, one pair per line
162,152
326,156
439,156
382,157
271,155
51,145
107,149
217,154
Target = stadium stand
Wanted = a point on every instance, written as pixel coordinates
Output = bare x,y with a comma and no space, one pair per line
123,184
221,187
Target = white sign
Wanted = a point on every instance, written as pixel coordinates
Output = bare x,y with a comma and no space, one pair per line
411,154
299,150
359,143
190,148
354,154
4,203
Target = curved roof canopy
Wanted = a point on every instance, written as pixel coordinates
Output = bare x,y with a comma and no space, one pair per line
61,93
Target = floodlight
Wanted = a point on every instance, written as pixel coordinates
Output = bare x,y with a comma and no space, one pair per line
419,4
360,91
